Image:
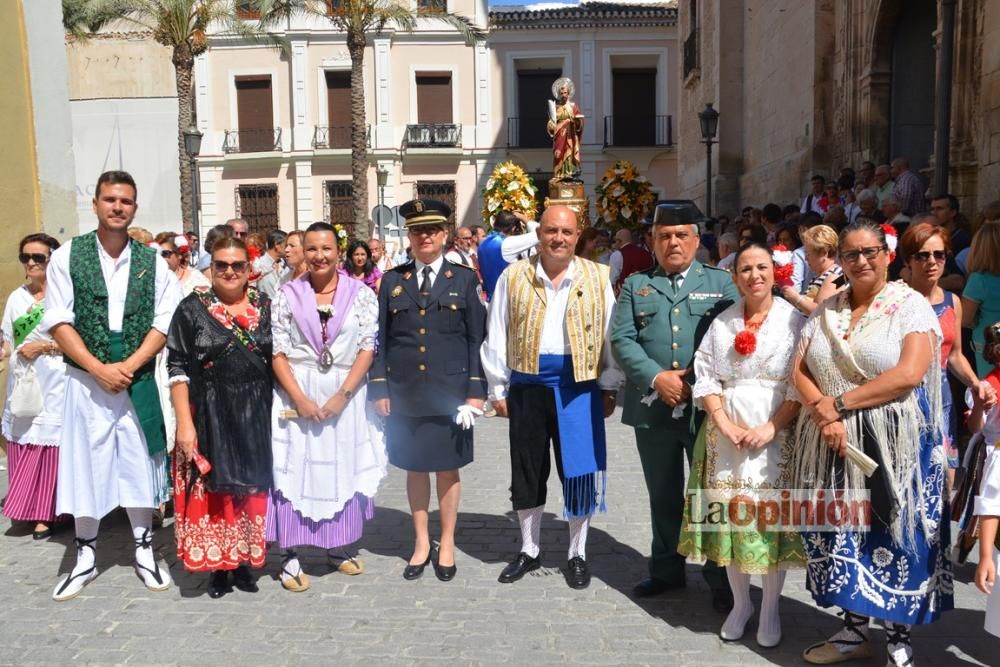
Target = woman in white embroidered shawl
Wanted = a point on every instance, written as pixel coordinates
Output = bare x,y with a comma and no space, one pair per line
867,369
741,370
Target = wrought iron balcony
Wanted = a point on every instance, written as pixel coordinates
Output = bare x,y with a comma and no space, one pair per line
325,136
434,135
638,130
528,133
252,141
692,53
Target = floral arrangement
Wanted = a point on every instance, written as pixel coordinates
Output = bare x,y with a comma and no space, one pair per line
509,188
783,266
342,236
624,197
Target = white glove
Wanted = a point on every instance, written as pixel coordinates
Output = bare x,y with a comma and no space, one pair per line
466,417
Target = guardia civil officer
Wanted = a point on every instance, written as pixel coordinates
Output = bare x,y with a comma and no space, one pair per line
662,314
427,378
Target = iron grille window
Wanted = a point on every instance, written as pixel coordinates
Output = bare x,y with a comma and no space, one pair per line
258,206
339,204
443,191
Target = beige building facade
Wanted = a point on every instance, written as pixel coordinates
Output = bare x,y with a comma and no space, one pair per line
441,113
810,87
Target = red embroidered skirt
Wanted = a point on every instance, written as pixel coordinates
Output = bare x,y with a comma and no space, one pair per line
217,531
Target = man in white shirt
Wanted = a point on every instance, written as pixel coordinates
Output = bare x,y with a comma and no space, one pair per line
550,370
460,251
882,184
113,451
271,260
379,256
811,201
728,244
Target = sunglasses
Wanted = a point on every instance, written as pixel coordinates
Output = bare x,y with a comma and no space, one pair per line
36,257
240,235
924,255
222,267
166,253
869,253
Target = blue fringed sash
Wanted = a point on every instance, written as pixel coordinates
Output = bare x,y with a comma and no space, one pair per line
580,413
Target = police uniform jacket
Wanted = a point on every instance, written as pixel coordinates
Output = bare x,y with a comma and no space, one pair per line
427,362
656,330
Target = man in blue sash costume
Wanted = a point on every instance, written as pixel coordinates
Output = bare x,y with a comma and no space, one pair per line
108,305
548,361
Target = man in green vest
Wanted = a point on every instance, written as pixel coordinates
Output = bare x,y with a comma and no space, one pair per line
661,317
108,305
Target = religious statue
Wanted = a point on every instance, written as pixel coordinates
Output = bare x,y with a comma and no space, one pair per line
565,126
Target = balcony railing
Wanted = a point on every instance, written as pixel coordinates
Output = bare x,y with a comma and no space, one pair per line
638,130
434,135
252,141
528,133
325,136
692,53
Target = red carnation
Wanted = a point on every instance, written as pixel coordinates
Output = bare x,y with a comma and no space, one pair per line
745,343
783,275
243,321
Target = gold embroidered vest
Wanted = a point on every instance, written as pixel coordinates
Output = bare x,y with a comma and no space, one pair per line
585,314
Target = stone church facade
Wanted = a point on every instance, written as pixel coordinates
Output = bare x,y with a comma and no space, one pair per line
810,86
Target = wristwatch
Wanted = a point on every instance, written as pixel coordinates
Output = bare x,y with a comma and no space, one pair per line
347,393
838,405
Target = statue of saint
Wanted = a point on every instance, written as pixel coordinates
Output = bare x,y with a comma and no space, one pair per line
565,126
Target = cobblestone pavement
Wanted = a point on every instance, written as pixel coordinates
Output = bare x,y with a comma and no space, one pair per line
380,618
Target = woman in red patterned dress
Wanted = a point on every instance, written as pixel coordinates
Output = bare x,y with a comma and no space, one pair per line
220,383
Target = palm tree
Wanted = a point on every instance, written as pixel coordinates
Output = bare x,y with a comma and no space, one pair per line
358,18
181,26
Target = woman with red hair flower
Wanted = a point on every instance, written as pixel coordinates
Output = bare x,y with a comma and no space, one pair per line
741,370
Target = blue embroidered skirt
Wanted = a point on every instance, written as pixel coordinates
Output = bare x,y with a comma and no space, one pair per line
867,574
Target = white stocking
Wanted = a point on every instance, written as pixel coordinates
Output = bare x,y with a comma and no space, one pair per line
769,625
736,622
531,530
578,537
86,529
141,519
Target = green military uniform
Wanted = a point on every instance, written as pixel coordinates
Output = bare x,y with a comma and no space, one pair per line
658,329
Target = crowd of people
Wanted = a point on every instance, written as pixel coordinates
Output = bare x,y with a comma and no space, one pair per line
820,348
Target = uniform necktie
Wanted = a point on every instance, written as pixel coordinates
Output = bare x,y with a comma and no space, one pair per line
425,284
674,278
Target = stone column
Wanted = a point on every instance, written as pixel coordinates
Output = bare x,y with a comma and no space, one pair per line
301,132
384,138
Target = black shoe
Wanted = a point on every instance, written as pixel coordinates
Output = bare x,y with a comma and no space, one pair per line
647,588
218,584
411,572
243,581
722,600
577,573
42,534
519,567
445,572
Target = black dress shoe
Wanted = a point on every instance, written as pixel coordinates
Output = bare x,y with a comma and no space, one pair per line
445,572
42,534
722,600
519,567
243,581
577,573
411,572
649,587
218,584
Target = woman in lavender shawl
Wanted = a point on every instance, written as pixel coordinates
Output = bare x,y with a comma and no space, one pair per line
329,453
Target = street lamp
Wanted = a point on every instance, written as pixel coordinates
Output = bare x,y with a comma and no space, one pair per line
192,145
382,174
709,119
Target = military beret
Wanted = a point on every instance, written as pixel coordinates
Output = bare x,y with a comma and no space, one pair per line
419,212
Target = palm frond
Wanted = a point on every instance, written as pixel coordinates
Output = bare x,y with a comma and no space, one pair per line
469,31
